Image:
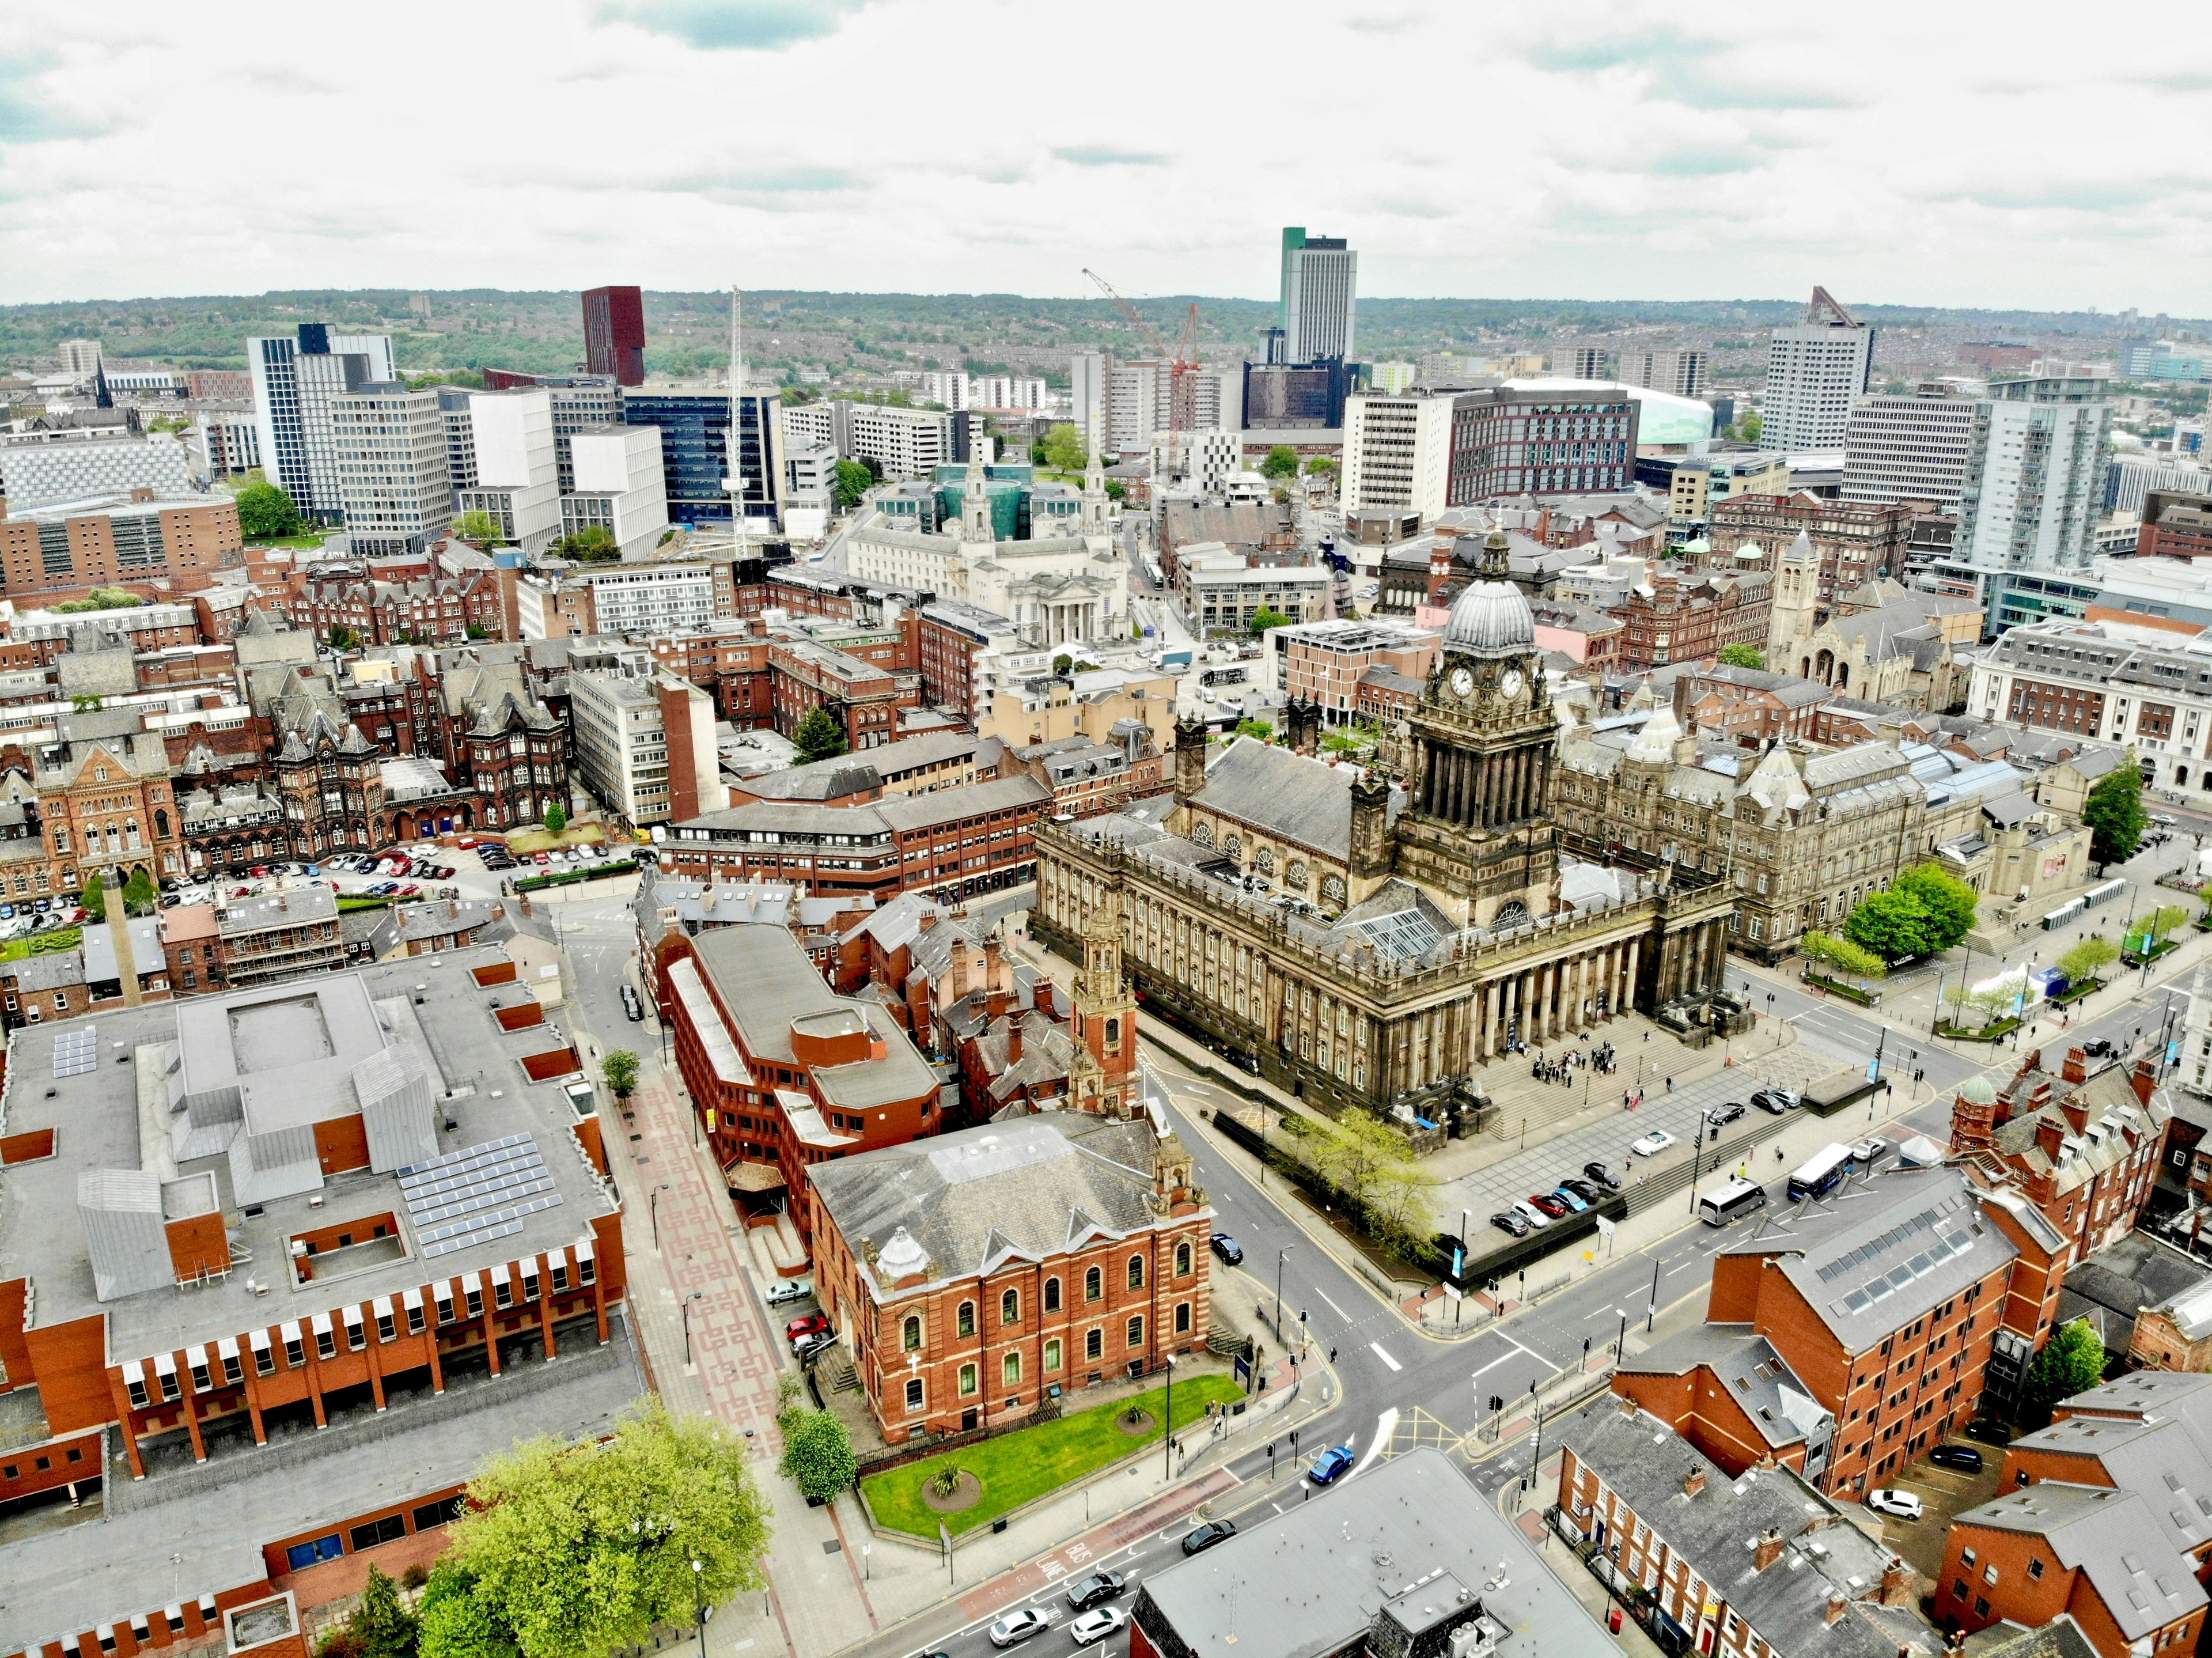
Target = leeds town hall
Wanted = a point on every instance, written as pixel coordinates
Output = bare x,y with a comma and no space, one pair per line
1365,942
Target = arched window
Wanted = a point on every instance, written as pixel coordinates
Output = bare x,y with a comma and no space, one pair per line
1182,1259
1010,1307
910,1334
1052,1295
967,1380
160,823
1114,1025
1136,1271
1010,1369
1203,835
1332,889
1137,1331
966,1324
1094,1284
1234,845
1264,860
1051,1355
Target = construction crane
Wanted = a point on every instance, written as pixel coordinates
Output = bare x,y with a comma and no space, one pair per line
1182,367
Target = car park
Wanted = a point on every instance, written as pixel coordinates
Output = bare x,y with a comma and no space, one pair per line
1511,1223
790,1290
1530,1215
1902,1505
1094,1626
1201,1538
1095,1588
1227,1249
1961,1459
806,1324
1554,1207
1018,1626
1869,1152
1331,1466
1651,1144
1603,1175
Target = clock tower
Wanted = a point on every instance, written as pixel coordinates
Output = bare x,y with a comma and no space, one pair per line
1479,827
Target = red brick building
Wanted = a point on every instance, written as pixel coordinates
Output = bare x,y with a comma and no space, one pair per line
971,1276
863,698
2175,527
1856,541
1751,706
1686,617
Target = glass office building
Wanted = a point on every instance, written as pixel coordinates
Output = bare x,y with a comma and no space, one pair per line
695,430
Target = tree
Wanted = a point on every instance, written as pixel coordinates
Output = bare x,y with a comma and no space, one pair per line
593,541
344,639
383,1628
94,900
2072,1362
1259,728
1282,462
820,737
1748,427
480,530
1742,656
2143,937
1064,450
817,1453
1321,466
1951,903
1116,490
2086,960
852,481
556,817
618,1070
139,894
1843,955
1893,925
571,1550
1267,616
2114,812
266,513
1063,665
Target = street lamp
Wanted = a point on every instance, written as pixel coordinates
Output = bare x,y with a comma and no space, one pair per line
699,1595
653,1208
1279,1253
1167,1434
696,1295
1620,1347
1698,1156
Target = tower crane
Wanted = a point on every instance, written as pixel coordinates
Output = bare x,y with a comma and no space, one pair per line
1182,367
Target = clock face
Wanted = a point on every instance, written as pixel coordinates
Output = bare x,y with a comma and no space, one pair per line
1462,681
1511,683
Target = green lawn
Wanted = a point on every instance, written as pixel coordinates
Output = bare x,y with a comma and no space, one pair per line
1020,1467
315,540
16,950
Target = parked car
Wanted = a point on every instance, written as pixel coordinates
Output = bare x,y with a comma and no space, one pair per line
784,1292
1653,1143
1777,1100
1870,1151
1989,1432
1572,1199
1094,1626
1199,1538
1963,1458
1017,1626
1903,1504
1555,1207
1723,1113
1530,1215
1331,1466
813,1345
806,1325
1511,1223
1584,1190
1230,1252
1087,1592
631,1005
1603,1175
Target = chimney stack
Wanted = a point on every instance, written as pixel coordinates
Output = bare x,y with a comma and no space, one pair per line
2076,1068
1769,1551
1837,1603
1693,1481
1899,1584
1013,1043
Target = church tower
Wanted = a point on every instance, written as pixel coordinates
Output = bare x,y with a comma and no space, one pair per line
1796,600
1096,502
1477,826
1103,1077
976,523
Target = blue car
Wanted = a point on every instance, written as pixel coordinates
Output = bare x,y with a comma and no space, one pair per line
1331,1466
1570,1199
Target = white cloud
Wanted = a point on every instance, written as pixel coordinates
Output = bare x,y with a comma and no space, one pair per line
1892,152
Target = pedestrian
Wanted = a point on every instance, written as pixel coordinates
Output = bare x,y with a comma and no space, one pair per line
1670,1085
1777,1154
1332,1355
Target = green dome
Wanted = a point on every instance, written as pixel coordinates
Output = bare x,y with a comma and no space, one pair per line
1976,1091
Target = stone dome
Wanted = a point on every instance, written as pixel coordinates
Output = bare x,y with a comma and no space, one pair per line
901,1257
1491,618
1976,1090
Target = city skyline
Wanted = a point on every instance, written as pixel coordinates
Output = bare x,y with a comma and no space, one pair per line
1714,153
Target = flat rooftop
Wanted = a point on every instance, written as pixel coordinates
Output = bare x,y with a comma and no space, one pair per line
292,1051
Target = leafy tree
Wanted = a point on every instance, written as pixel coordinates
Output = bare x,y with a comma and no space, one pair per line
451,1622
1267,616
1893,925
480,530
2145,935
817,1453
139,894
1063,663
1116,490
1749,426
2087,958
1843,955
94,899
593,541
2072,1362
1322,466
266,513
104,598
1259,728
820,737
1282,462
1342,742
556,817
384,1627
574,1551
344,639
478,631
1952,904
1064,450
2114,812
618,1070
1742,656
851,482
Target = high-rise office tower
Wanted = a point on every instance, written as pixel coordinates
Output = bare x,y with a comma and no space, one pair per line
1911,447
80,358
1684,373
1815,371
2035,476
293,382
1320,292
517,482
614,334
389,444
1090,385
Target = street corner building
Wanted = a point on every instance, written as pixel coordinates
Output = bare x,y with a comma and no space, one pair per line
282,1267
1405,1559
1367,939
977,1276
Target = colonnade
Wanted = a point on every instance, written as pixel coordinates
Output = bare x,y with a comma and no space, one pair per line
1479,790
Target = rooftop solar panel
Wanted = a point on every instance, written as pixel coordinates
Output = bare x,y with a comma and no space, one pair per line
476,1194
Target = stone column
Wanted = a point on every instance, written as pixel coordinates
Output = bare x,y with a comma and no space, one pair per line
1630,979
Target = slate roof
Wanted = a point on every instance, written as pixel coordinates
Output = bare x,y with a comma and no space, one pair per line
2060,1638
1280,792
2161,1460
1031,1188
2113,1538
1758,1379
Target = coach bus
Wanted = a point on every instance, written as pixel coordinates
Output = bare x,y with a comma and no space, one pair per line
1738,1197
1819,1177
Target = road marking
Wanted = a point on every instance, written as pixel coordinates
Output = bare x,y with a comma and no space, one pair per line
1384,1425
1532,1353
1493,1364
1338,1311
1376,1347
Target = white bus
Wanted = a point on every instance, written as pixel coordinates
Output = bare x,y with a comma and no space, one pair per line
1737,1198
1820,1176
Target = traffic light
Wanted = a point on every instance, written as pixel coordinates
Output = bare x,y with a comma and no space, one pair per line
1497,1402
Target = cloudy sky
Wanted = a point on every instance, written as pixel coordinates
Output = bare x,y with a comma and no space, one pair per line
1903,153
